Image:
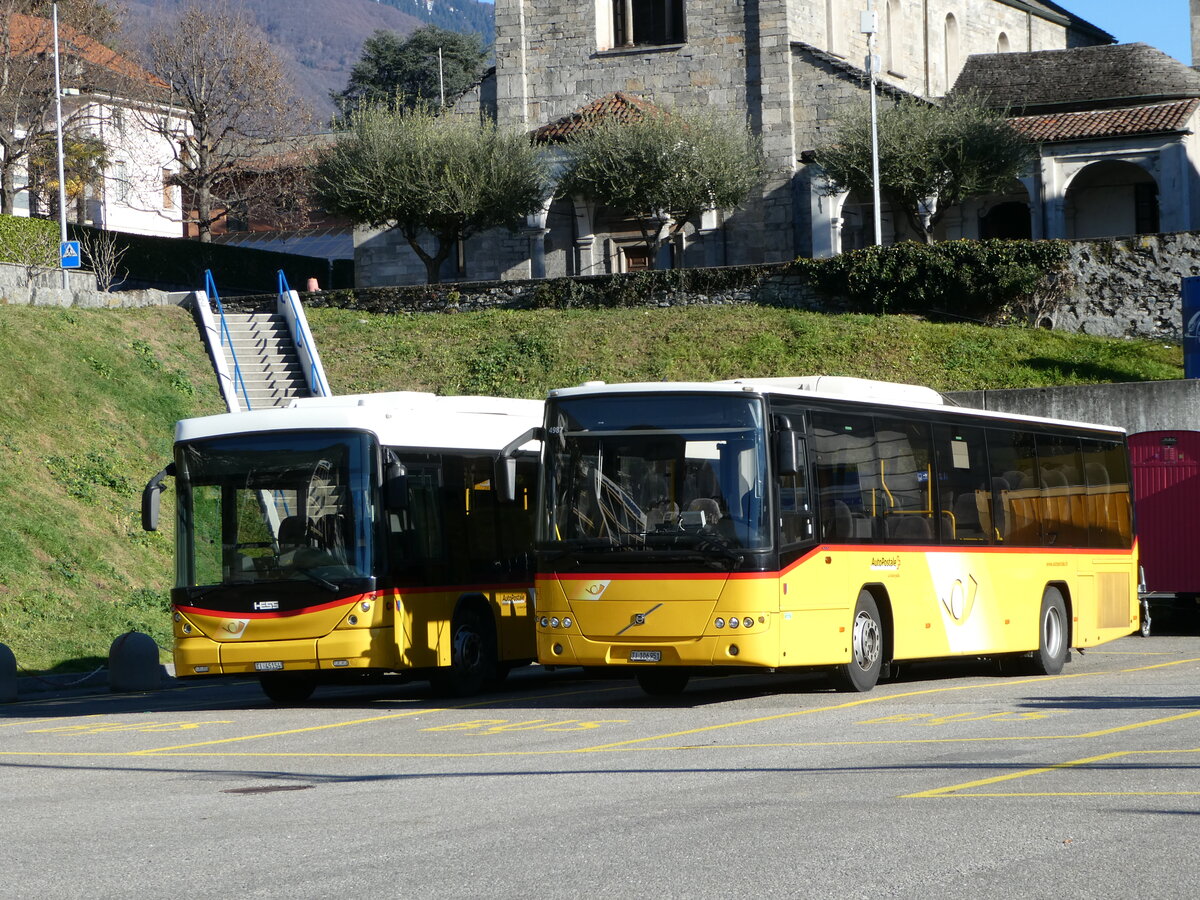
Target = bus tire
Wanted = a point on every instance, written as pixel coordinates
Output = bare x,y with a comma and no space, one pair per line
866,648
1053,635
287,689
472,656
663,682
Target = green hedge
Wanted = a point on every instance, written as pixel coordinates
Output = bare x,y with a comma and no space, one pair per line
179,264
28,242
993,280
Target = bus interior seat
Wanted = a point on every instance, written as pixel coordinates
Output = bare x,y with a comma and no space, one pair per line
1096,474
293,532
910,528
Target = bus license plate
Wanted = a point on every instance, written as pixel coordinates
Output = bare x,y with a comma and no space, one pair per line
273,666
645,655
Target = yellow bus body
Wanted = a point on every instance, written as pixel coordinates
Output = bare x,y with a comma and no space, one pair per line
942,602
402,630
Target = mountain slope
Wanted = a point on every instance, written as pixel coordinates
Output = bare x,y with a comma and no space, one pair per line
320,40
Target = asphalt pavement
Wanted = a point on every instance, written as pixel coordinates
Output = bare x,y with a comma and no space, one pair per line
952,781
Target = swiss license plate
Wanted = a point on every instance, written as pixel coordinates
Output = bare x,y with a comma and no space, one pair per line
645,655
273,666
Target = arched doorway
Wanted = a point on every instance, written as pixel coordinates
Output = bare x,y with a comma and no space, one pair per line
1009,219
1111,199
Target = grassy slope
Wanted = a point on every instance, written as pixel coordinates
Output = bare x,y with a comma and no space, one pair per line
91,396
89,400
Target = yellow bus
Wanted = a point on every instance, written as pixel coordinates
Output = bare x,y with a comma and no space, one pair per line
842,524
353,536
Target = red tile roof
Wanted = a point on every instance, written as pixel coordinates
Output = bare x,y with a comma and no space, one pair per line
619,106
30,35
1156,118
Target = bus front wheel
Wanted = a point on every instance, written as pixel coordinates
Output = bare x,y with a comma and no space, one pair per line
1053,642
866,648
286,689
663,682
472,656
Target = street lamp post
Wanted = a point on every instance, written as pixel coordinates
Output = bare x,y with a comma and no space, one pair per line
62,187
870,27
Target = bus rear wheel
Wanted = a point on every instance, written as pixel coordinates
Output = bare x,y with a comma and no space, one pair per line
286,689
866,648
663,682
472,656
1052,635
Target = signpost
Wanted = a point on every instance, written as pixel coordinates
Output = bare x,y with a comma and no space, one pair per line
68,252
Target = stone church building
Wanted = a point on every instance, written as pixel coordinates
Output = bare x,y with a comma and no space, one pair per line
790,66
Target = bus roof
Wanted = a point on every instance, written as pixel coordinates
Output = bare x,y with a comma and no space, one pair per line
410,419
839,388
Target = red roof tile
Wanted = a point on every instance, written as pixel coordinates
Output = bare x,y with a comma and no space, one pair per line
619,106
31,35
1156,118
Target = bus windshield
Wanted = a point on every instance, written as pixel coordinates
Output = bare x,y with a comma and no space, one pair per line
693,480
275,507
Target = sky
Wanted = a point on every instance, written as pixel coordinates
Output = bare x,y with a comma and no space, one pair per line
1165,24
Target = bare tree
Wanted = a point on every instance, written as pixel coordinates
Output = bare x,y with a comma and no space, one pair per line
103,254
247,126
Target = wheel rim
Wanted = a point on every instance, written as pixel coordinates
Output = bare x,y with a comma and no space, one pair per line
868,641
468,649
1052,632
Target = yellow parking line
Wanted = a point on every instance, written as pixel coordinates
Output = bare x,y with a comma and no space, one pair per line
961,789
1120,728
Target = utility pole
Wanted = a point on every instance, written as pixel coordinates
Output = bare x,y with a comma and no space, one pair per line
62,187
870,27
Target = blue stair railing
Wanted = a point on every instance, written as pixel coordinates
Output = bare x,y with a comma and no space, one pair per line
316,384
239,383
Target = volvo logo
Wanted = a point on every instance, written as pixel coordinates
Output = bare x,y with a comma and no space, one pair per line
639,618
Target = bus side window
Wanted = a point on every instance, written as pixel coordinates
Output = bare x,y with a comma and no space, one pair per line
905,478
964,487
1017,496
1106,471
848,493
1064,492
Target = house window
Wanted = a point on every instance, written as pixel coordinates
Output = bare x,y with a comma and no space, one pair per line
1002,43
121,187
640,23
893,47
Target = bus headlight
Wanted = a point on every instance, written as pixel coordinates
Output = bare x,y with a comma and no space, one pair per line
554,621
748,622
733,622
566,622
544,622
720,623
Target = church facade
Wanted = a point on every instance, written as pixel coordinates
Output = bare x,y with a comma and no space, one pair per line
788,66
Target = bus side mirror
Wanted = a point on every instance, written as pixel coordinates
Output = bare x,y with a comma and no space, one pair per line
789,453
152,495
395,488
506,479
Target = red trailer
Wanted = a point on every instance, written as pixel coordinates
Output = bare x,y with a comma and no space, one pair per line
1166,490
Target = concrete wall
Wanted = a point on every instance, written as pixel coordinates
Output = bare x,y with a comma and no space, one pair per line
1140,406
45,289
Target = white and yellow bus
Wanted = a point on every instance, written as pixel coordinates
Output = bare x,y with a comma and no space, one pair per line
349,536
787,524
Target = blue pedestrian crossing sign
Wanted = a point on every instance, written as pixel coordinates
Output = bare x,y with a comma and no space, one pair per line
69,252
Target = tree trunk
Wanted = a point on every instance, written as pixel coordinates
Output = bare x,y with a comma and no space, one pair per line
8,190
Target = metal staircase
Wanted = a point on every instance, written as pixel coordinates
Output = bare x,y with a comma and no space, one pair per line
262,359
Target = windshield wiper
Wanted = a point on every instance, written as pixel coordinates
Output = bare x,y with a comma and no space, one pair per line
317,579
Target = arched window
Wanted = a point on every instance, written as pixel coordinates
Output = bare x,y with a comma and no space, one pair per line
952,57
893,46
638,23
833,34
1002,45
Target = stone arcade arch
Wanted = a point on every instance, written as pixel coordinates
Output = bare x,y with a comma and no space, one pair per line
1111,198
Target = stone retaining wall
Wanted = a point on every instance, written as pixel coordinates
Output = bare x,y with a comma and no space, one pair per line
45,289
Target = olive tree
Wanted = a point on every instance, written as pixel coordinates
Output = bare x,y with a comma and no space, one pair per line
663,168
931,157
435,177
